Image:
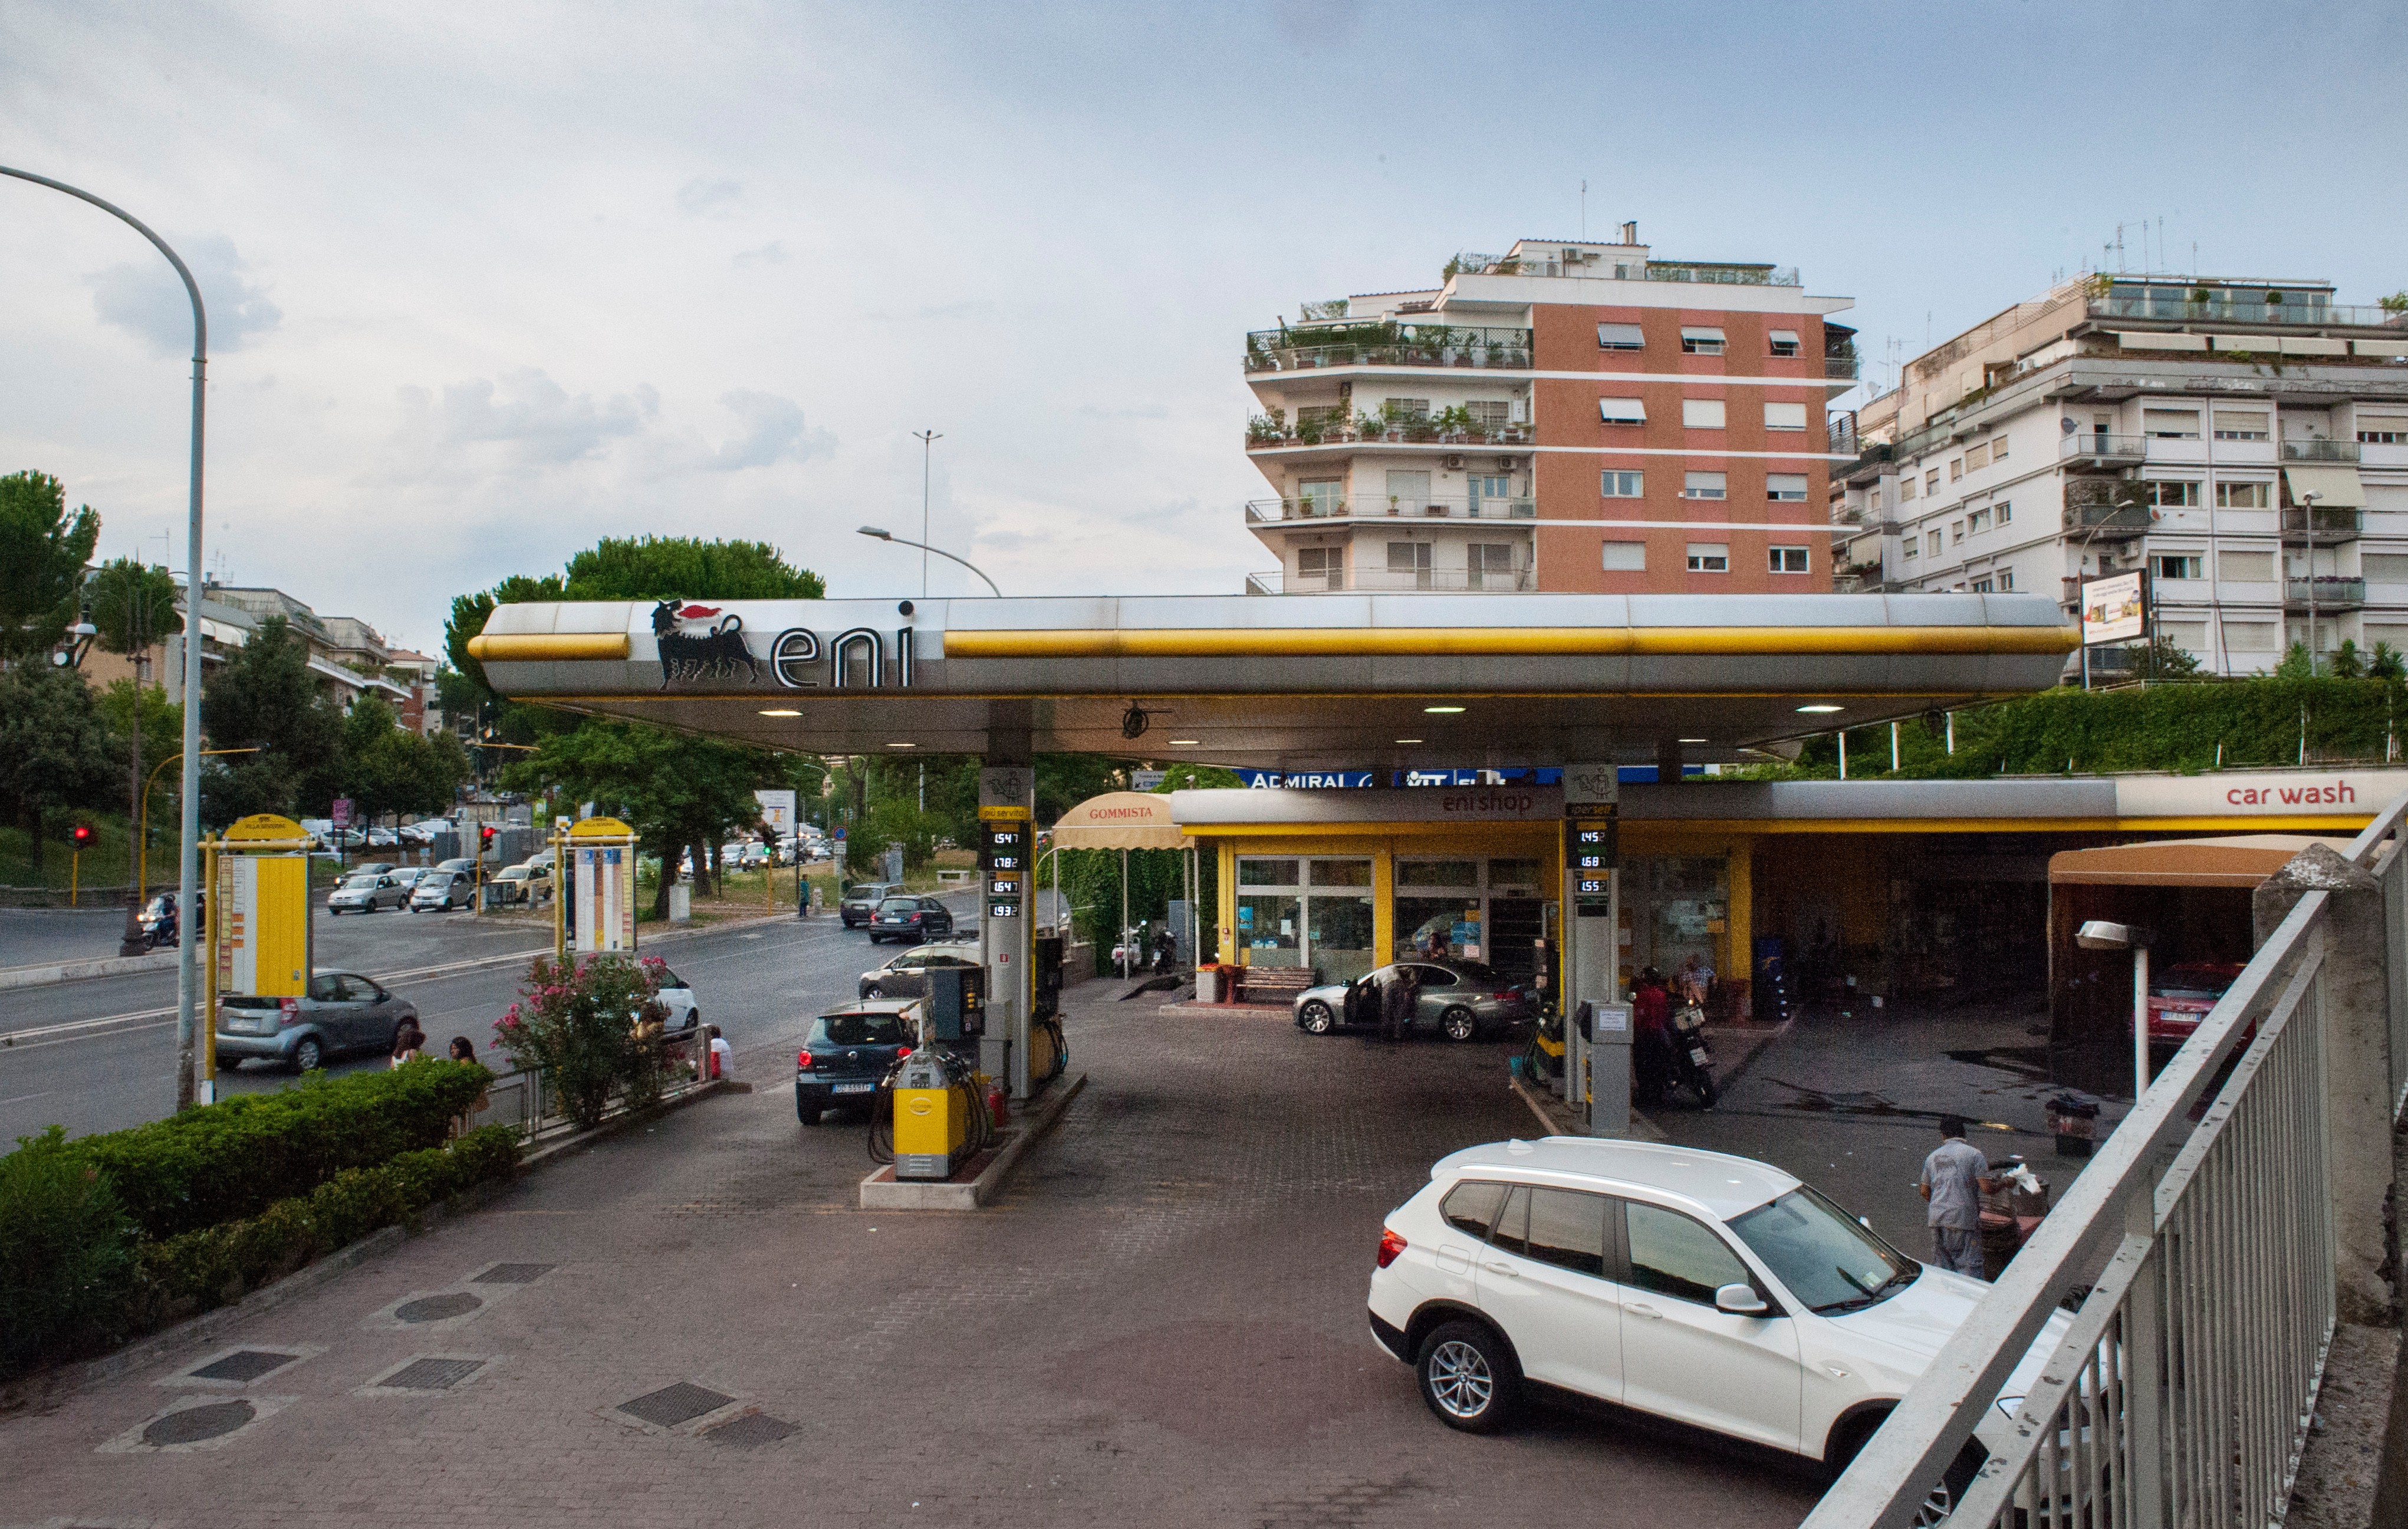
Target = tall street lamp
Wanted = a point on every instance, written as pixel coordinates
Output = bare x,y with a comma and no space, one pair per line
927,439
2100,934
187,857
900,541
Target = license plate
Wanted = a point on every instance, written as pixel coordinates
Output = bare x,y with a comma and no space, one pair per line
852,1088
1698,1055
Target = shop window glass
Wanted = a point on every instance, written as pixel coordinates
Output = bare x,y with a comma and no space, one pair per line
1254,872
1438,873
1441,926
1340,930
1268,929
1514,873
1341,873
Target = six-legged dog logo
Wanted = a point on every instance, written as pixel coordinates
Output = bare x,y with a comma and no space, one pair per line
696,646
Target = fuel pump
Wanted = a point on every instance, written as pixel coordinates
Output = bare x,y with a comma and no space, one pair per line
934,1106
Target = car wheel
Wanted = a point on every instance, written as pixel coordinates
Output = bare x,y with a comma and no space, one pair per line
1468,1377
873,991
308,1056
1458,1024
808,1114
1316,1019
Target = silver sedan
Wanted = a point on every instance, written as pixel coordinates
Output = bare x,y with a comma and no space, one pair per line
1459,999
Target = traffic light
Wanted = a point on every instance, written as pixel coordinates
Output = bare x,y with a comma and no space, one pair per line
485,839
80,836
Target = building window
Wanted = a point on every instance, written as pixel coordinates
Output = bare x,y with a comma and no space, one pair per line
1787,560
1934,541
1956,532
1701,413
1982,586
2168,493
1956,468
2383,437
2177,565
1620,338
1701,342
1914,548
2242,496
2190,637
2252,638
1709,557
1785,416
1790,487
1785,342
1409,564
2170,423
1998,449
1490,414
1931,481
1490,565
1622,411
2246,568
1407,408
1621,485
2232,424
1705,486
2384,568
1977,521
1976,458
1625,557
2003,512
1905,490
1325,565
2006,579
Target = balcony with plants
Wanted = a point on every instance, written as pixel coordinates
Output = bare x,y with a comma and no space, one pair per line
1393,581
1386,344
1453,426
2106,507
1262,512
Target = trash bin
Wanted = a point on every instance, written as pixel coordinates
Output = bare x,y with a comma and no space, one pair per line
1208,984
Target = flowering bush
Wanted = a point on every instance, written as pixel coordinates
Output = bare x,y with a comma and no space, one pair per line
588,1027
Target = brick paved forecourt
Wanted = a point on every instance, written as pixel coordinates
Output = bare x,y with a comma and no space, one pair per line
1161,1322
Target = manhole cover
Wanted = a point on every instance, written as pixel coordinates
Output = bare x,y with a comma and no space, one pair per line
437,1308
244,1364
210,1420
512,1274
431,1374
672,1405
754,1428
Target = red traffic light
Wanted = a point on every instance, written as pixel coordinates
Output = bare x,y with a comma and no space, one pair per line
485,833
80,836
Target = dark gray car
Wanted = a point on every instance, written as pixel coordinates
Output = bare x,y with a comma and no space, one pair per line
1458,998
907,975
859,905
344,1012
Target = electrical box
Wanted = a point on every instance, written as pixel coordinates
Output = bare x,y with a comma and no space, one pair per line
1048,972
956,1003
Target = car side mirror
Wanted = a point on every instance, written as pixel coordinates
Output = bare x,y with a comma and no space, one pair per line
1740,1299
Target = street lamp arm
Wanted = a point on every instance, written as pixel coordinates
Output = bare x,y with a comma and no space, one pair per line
905,541
192,288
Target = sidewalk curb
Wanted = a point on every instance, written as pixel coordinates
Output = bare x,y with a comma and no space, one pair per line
49,974
35,1391
881,1191
1642,1128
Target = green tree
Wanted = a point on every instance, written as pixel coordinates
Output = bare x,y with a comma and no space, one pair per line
2348,662
266,698
55,748
669,567
388,769
42,556
2296,664
2385,663
133,605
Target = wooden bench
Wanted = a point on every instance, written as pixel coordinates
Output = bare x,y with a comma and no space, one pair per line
1274,985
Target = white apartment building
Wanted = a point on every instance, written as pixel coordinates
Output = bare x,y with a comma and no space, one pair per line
2242,442
1571,416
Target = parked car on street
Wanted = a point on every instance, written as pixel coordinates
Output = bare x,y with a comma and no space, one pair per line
1713,1290
906,976
678,998
859,905
848,1052
438,890
462,862
1459,999
913,919
383,838
343,1012
528,884
364,891
2182,994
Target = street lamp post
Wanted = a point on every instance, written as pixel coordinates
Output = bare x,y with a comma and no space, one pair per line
2308,522
927,439
187,857
899,541
2100,934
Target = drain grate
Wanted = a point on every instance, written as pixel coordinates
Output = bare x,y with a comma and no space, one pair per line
243,1364
512,1274
431,1375
673,1405
191,1425
437,1308
752,1429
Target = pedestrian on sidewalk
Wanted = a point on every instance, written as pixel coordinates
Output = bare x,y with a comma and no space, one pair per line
463,1048
1954,1178
408,1043
1651,1015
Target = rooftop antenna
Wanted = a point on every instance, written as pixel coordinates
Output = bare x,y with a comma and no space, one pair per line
1584,209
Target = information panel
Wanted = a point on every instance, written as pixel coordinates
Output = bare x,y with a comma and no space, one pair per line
1590,848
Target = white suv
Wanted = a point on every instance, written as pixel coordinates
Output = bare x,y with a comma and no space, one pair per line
1714,1290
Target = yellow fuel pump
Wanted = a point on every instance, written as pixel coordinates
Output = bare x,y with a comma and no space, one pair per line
932,1117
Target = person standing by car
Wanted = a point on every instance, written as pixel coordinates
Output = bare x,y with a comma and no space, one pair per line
1651,1015
1954,1177
1397,1002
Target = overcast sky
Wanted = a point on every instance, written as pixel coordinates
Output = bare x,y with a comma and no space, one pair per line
489,281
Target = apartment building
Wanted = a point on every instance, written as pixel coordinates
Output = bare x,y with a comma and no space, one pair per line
2242,442
1570,416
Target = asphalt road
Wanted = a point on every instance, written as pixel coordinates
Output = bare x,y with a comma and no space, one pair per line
100,1054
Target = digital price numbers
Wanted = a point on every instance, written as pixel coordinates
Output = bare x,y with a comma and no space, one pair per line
1003,854
1590,850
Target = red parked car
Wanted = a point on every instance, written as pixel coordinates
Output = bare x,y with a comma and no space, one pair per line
2181,995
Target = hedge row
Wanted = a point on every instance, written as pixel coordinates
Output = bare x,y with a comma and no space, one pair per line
235,1158
217,1264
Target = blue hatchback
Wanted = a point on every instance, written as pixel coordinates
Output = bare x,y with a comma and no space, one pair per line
849,1052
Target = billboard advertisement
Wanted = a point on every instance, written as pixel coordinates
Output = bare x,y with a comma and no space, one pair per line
602,852
2115,610
777,812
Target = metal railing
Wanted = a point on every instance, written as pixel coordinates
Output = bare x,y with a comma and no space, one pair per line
1393,582
1263,432
2099,447
521,1099
2325,589
2111,521
2320,451
2238,308
2182,1391
1387,345
2329,524
1389,505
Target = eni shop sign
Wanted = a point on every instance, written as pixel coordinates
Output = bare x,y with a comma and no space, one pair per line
2270,794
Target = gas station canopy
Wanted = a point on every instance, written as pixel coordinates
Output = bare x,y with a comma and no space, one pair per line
1396,680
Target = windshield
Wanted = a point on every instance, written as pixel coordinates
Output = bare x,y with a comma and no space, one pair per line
899,904
1828,1260
858,1030
366,879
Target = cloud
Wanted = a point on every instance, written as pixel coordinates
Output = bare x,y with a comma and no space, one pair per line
145,298
700,198
771,253
773,432
532,417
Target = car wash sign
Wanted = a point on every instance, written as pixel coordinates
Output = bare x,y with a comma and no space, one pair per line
706,644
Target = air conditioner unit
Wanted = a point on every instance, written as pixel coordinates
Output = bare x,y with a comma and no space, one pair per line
1508,464
1452,464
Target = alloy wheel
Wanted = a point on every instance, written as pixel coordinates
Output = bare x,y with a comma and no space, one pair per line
1460,1380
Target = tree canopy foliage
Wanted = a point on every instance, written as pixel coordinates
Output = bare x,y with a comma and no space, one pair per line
132,604
42,555
56,749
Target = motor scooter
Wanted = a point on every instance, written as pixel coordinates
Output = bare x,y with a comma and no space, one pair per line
1693,1060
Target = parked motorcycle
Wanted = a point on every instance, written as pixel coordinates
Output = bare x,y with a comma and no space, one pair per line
1693,1060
